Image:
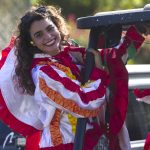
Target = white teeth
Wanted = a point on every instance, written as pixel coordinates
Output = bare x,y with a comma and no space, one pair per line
50,43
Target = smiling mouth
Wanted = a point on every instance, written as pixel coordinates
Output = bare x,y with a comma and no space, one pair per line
50,43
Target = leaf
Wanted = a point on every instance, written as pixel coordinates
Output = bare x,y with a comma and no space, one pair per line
131,51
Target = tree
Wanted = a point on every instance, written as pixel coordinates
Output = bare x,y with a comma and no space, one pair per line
77,7
110,5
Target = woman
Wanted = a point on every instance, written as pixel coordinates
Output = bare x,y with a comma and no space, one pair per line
41,91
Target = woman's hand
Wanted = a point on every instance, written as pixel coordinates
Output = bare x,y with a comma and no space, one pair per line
78,56
97,57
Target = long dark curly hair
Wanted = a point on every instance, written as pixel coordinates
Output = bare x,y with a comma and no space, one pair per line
24,48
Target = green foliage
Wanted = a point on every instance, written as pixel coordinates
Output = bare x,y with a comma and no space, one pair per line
142,57
89,7
77,7
131,51
110,5
34,2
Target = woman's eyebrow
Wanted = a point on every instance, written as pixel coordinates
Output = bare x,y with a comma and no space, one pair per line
49,26
40,31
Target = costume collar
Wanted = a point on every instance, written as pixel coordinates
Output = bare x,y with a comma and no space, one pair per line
42,55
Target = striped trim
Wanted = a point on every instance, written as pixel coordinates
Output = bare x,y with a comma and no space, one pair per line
55,129
65,103
70,85
60,67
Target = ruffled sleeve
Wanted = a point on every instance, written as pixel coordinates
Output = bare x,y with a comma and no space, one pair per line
56,87
12,103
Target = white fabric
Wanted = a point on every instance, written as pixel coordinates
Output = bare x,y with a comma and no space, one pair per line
21,106
124,140
45,140
66,129
145,99
46,113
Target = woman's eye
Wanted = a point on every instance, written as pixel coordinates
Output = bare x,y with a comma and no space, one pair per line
38,35
50,29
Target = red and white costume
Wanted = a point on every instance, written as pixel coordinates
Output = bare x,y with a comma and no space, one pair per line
48,118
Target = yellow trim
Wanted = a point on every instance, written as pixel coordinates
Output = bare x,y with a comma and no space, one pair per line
73,122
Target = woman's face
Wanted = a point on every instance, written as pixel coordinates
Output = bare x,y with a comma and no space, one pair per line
45,36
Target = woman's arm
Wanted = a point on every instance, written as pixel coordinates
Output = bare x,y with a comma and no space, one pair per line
56,87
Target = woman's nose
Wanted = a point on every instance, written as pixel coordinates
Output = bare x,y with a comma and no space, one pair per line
47,35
